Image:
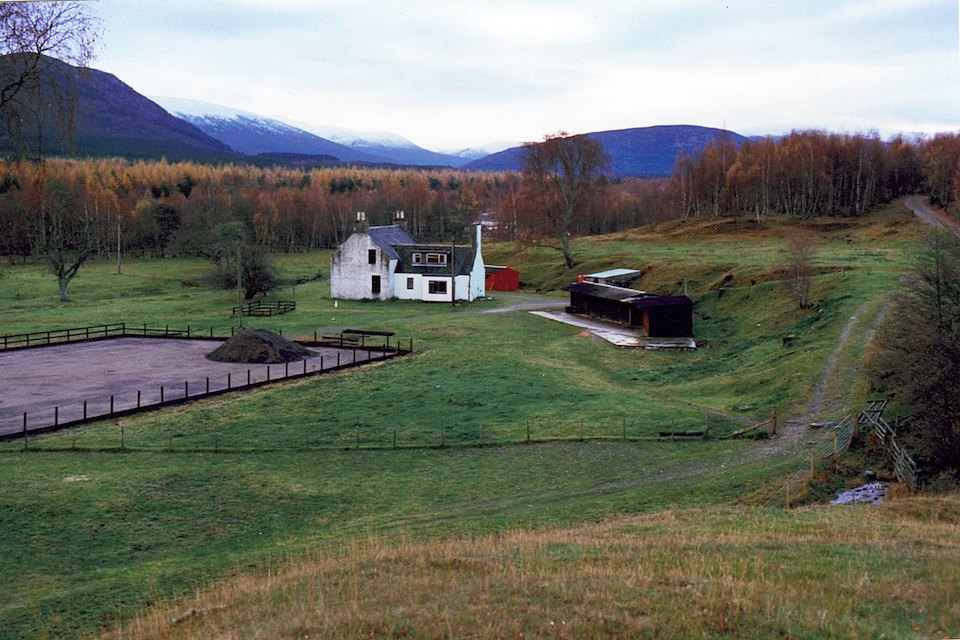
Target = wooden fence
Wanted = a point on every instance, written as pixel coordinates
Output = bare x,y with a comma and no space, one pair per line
903,465
261,308
845,434
51,418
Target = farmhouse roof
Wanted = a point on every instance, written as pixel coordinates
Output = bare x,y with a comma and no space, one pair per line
463,257
387,237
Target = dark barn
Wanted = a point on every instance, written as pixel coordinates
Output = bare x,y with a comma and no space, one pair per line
658,316
502,278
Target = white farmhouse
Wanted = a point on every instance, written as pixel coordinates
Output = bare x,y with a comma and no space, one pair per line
386,262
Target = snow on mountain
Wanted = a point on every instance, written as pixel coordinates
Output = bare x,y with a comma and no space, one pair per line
352,137
252,134
474,153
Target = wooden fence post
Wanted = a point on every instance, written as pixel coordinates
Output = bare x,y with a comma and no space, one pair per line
111,404
442,443
56,416
25,446
122,438
856,426
84,409
773,423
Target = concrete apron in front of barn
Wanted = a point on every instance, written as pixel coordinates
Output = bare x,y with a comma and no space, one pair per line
617,334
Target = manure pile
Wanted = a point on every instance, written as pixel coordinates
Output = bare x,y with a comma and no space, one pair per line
259,346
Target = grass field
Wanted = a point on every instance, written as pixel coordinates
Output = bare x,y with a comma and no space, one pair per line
95,535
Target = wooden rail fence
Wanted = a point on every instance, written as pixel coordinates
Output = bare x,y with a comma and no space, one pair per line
845,434
261,308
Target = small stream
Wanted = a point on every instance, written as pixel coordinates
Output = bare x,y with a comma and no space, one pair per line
869,493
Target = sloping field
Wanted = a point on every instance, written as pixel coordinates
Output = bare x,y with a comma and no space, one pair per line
95,533
816,572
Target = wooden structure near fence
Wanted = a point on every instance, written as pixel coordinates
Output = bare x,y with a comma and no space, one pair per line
845,434
769,424
261,308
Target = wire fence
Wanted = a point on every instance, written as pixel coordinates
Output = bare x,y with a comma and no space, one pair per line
316,435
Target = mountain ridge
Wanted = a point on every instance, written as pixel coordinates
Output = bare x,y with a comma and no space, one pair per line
115,120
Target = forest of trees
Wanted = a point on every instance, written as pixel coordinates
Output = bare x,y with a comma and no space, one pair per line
161,208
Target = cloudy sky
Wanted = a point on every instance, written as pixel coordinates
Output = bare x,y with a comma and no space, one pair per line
449,74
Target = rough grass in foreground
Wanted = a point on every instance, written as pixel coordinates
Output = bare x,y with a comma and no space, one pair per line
821,572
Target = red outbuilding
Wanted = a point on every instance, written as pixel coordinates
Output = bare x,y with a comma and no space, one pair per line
502,278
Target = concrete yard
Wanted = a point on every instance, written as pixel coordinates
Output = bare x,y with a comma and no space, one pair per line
57,379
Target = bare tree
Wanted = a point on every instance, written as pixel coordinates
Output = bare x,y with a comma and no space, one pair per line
800,252
36,31
562,173
34,36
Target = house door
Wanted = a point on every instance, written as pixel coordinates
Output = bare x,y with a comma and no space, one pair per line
375,284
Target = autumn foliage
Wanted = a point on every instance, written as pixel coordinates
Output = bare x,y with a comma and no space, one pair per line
164,208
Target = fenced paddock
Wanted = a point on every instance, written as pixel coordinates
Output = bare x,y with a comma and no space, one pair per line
83,374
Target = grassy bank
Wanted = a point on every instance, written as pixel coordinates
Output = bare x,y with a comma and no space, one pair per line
822,572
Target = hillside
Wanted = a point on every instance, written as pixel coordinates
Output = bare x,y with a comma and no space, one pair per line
734,572
434,447
645,152
114,120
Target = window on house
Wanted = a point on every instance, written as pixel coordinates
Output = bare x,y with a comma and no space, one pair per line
372,256
438,286
409,283
375,284
417,258
436,258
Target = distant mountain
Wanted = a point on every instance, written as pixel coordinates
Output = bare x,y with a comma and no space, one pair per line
386,146
114,120
475,153
645,152
252,134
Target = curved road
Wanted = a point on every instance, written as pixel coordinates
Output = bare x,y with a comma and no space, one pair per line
933,217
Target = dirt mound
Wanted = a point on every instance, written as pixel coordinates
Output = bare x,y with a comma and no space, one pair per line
259,346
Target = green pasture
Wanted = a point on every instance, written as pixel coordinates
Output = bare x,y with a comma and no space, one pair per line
228,484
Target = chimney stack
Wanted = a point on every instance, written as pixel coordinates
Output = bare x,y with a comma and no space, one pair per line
400,219
361,223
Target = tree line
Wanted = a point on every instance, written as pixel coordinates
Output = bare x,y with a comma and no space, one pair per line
808,174
158,208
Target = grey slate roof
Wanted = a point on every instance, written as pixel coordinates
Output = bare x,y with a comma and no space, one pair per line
388,236
463,258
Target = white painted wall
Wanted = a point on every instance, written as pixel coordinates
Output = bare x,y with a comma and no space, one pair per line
351,274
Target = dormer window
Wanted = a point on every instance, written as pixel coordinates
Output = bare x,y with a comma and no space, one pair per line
429,259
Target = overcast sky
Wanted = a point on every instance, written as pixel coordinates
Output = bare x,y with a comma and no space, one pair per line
449,74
